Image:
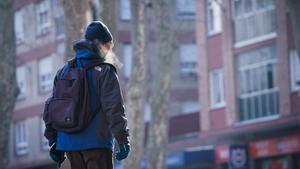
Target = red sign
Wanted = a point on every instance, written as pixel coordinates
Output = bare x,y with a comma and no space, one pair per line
222,154
275,146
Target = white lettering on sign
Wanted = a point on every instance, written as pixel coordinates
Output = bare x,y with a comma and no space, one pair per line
224,154
283,146
262,148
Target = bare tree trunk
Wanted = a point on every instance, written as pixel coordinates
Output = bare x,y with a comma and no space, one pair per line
161,84
294,8
108,16
136,92
76,13
8,86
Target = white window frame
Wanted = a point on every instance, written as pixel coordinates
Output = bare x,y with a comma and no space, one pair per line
254,11
44,141
294,68
183,12
216,79
255,40
43,14
214,16
21,137
19,27
21,82
248,88
125,10
188,60
46,86
127,59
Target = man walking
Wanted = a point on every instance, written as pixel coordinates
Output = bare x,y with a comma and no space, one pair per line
92,146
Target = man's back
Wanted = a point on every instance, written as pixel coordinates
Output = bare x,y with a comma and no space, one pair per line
92,147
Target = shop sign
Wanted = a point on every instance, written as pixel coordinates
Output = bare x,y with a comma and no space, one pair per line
238,155
275,146
175,159
222,154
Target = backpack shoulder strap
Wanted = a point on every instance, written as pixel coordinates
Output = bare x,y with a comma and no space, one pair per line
72,63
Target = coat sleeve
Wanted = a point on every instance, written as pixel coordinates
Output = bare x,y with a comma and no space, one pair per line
113,106
50,133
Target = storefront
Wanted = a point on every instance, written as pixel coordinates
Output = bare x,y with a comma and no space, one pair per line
222,157
276,153
195,158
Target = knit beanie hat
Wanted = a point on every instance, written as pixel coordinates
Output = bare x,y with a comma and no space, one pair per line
98,30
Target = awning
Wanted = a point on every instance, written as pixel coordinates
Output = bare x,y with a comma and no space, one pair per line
194,157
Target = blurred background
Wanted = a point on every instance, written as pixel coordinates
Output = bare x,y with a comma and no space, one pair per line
208,84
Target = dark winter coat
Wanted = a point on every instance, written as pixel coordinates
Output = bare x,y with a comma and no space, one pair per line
110,122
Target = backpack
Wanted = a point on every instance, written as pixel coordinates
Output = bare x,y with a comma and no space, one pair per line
69,110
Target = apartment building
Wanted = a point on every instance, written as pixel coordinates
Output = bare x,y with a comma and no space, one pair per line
237,56
40,52
248,84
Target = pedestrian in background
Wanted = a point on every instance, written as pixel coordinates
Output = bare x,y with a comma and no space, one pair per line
91,147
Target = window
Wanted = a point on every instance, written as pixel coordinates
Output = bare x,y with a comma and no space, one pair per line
186,9
58,16
127,56
21,138
60,49
257,84
43,16
190,107
216,88
188,60
254,20
59,26
21,81
19,27
45,144
295,70
45,74
125,10
214,16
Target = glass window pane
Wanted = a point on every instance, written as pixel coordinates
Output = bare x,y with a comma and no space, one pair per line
125,9
186,8
242,109
214,16
270,76
248,6
264,105
127,59
272,103
256,106
188,59
257,74
252,22
238,8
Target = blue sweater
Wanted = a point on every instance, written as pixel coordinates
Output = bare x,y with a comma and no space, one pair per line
88,138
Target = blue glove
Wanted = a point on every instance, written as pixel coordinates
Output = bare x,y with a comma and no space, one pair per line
123,152
57,156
